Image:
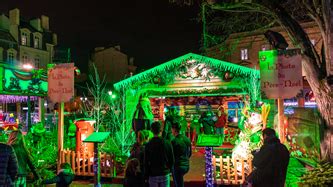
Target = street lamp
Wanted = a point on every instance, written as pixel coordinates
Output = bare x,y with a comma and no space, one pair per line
110,92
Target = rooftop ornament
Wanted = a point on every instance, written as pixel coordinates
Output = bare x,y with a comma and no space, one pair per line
222,66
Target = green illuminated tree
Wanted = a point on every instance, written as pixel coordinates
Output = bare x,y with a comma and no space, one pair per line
231,16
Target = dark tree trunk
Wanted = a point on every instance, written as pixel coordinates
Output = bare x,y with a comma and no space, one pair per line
316,74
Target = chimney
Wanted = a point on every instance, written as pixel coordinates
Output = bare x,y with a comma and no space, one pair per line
54,39
45,22
14,16
131,61
35,23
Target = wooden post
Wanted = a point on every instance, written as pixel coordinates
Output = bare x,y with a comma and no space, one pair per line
41,110
281,120
60,130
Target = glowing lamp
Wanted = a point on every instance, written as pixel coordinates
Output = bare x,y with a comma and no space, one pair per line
110,92
27,66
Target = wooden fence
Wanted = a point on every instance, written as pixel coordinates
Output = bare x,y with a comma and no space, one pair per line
82,164
230,171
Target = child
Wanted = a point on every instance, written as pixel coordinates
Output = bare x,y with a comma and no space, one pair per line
64,178
133,175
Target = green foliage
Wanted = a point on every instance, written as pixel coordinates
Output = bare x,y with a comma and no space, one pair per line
44,152
172,65
322,175
294,173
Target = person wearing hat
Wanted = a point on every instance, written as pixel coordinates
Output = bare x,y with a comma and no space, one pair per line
143,114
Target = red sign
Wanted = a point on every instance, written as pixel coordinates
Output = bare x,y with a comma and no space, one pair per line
61,82
281,73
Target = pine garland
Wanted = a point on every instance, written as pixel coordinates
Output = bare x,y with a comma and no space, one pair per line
169,66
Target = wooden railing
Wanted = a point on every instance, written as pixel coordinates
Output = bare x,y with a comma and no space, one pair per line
82,164
230,171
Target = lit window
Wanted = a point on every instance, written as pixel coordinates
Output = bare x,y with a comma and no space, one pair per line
244,54
36,42
24,38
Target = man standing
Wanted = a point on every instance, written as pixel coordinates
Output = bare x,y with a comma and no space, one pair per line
159,159
271,162
221,122
173,115
8,165
182,151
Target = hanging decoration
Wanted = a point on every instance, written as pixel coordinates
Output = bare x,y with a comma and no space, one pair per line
24,83
157,80
15,99
228,76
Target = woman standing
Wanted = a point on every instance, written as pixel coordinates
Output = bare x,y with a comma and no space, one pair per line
16,140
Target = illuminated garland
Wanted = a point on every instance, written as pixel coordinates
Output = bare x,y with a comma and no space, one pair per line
191,92
209,166
170,65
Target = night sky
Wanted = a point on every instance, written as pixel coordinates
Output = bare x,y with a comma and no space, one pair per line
151,31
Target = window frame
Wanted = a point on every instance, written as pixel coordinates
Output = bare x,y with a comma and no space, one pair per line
244,54
25,33
11,53
37,62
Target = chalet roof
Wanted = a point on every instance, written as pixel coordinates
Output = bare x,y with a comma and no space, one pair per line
169,65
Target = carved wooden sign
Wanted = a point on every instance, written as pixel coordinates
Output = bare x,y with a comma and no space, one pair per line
281,73
61,82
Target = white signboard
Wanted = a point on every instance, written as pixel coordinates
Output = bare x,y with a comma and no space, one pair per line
281,73
61,82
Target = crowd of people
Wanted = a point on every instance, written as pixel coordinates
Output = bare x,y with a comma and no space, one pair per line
158,153
16,160
161,150
164,149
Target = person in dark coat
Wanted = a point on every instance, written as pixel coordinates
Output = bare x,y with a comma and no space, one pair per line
138,148
270,162
8,165
171,118
207,121
159,159
64,178
17,141
133,175
182,152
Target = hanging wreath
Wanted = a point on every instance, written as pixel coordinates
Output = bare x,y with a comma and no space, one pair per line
228,76
156,80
